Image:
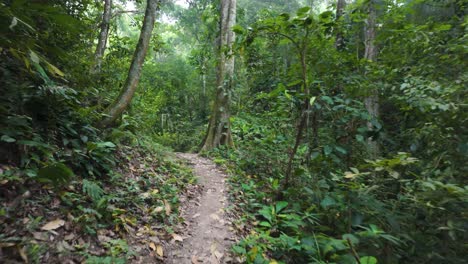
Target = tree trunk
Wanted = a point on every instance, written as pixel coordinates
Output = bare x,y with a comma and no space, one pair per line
304,111
339,42
219,128
371,102
103,35
129,88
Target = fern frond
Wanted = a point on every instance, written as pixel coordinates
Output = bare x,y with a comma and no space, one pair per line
93,190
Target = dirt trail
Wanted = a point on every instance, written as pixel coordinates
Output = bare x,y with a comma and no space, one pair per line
207,234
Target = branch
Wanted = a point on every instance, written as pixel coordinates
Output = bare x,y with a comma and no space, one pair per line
353,251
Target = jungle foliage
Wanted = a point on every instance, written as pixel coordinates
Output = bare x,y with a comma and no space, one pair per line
305,186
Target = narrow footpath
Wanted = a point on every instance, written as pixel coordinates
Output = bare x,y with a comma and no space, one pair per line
207,236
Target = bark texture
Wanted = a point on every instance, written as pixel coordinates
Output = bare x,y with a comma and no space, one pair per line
339,42
130,86
219,128
103,35
371,102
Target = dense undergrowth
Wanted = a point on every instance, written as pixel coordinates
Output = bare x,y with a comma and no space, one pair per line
118,207
71,191
307,101
387,210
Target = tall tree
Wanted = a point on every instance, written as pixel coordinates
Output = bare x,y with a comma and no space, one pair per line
339,42
131,83
371,102
103,35
219,128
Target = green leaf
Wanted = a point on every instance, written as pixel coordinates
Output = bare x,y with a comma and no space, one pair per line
266,212
8,139
56,174
360,138
54,70
33,56
443,27
239,250
394,174
280,206
285,16
314,155
354,240
14,22
303,10
327,202
238,29
341,150
109,144
93,190
327,99
294,83
312,100
327,150
31,173
368,260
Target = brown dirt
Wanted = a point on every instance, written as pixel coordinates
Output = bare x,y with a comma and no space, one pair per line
207,235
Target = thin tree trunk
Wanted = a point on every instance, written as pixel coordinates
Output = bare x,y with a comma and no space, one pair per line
130,86
103,35
292,153
219,128
303,118
371,102
339,42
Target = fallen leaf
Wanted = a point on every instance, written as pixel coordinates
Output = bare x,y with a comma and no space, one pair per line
158,209
104,239
152,246
196,215
6,244
70,217
159,250
167,207
69,236
214,260
213,248
177,237
52,225
195,260
214,216
22,253
155,239
218,254
145,195
40,236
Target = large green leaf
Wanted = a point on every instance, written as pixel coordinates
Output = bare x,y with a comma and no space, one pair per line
280,206
368,260
327,202
266,212
57,174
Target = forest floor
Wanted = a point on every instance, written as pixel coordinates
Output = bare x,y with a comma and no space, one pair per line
207,233
39,224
